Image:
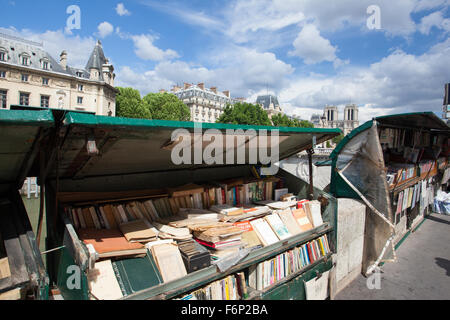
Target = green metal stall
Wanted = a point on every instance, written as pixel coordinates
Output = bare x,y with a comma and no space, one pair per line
89,158
21,133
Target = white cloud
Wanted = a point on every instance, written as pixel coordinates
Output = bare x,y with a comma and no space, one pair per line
146,50
434,19
430,4
312,47
78,48
399,83
121,10
241,73
105,29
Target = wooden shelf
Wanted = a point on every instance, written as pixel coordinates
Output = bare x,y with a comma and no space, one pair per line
205,276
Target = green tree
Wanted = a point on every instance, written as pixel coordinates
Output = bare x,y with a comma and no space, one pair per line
129,104
166,106
338,139
282,120
304,124
245,113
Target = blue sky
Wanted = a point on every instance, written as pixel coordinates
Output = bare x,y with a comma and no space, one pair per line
308,52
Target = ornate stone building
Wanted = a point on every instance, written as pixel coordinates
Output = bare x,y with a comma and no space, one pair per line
206,105
330,118
270,104
29,76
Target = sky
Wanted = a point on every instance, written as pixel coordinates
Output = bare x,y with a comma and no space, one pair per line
385,56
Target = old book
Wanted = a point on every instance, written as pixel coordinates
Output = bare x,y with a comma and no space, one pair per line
144,210
169,261
186,190
173,206
279,193
289,221
137,211
88,218
12,295
139,231
105,218
117,215
218,234
95,218
313,210
129,210
5,272
137,274
80,215
178,232
278,226
112,220
110,243
73,214
302,219
228,210
123,214
103,283
151,209
264,232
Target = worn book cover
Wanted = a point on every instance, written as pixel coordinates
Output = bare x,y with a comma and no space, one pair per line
289,221
139,231
109,243
169,261
302,219
264,232
278,226
103,283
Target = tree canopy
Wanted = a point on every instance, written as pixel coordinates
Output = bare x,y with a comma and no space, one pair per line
166,106
245,113
129,104
282,120
160,106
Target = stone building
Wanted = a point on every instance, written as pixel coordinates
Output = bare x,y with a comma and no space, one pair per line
330,118
29,76
205,104
270,104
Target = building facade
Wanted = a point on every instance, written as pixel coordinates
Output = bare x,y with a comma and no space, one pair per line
205,104
330,118
29,76
270,104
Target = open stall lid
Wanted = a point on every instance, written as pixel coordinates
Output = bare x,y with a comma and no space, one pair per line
358,171
99,146
20,133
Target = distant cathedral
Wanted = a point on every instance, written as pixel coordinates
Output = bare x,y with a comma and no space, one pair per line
330,118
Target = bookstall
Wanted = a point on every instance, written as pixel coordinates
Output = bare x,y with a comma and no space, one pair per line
395,164
133,224
22,272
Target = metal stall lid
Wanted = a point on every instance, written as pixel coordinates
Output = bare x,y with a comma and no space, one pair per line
124,147
21,133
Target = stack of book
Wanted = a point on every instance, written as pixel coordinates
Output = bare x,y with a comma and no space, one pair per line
269,272
219,237
232,287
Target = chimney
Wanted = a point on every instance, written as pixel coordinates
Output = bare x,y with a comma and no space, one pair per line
214,89
227,93
201,86
63,60
186,86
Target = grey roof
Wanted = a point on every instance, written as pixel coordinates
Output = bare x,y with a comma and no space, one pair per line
97,59
15,47
265,101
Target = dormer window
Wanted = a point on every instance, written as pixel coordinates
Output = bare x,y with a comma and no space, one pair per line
79,74
2,54
25,60
45,65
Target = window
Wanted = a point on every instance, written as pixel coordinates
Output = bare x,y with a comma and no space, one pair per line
24,77
80,87
80,100
24,99
45,101
45,65
25,60
3,94
2,56
45,81
2,74
79,74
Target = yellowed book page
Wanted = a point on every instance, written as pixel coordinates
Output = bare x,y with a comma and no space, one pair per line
103,282
169,261
5,272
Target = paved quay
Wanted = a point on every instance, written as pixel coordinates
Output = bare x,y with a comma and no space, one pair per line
422,271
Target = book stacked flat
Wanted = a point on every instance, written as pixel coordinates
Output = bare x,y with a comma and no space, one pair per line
219,237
